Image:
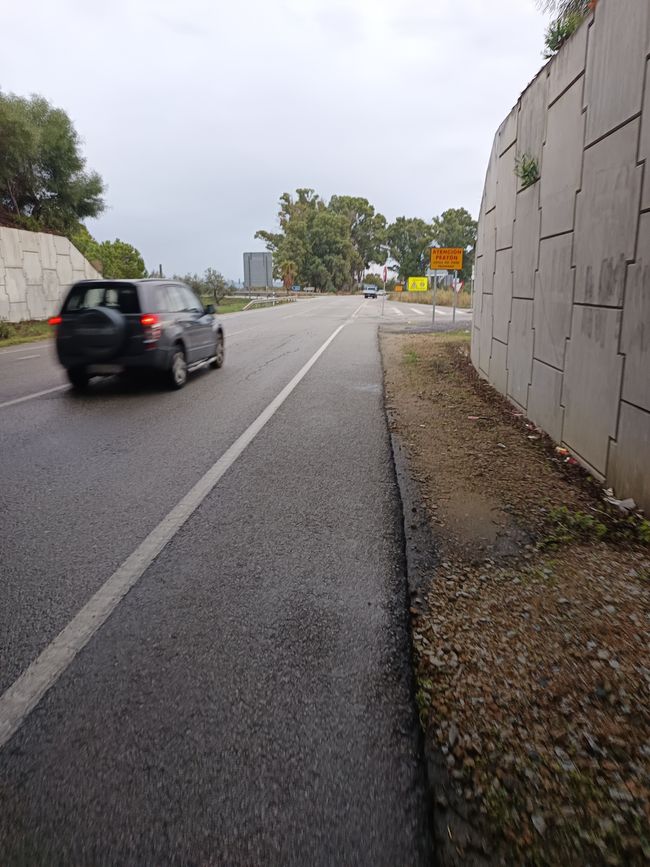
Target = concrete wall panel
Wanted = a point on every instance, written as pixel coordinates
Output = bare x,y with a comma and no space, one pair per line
502,295
490,194
520,350
569,63
545,399
562,162
506,189
607,216
489,256
498,366
630,456
635,335
592,383
35,271
485,334
644,149
553,300
525,250
532,118
615,64
507,132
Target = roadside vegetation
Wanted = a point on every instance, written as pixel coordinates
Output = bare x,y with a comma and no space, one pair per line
12,333
569,15
444,298
531,627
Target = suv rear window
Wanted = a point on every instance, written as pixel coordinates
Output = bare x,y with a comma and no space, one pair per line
118,296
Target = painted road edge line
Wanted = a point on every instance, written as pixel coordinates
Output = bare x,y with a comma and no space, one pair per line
32,396
17,702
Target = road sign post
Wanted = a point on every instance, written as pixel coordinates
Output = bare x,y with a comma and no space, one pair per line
453,315
433,296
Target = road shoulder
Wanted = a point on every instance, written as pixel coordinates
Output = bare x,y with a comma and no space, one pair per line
530,606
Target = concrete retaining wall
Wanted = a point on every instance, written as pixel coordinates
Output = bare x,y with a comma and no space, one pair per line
35,271
562,294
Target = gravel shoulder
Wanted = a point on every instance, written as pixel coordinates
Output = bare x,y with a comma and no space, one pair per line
530,606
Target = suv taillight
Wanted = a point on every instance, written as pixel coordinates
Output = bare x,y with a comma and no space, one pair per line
55,320
151,327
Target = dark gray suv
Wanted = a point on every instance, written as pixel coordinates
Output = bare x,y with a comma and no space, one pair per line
116,326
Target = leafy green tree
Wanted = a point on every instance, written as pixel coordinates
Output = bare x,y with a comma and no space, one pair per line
118,259
43,175
456,227
569,15
316,239
409,239
367,230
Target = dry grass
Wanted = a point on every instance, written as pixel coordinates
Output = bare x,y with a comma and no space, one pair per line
444,298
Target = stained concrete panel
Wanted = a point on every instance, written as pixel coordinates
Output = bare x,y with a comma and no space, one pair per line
592,383
47,250
635,335
644,148
489,256
615,64
630,456
553,300
520,350
507,132
606,217
485,337
62,245
11,253
544,399
474,344
32,268
562,162
525,248
64,269
506,189
502,295
498,370
28,241
490,192
15,285
568,63
532,119
77,260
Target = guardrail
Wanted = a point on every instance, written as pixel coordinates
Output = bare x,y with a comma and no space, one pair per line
272,301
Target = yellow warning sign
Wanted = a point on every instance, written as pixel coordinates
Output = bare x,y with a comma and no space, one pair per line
446,258
418,284
399,287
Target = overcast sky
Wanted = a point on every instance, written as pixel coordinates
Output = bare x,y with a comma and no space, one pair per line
198,114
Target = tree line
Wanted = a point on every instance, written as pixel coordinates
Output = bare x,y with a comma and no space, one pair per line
330,245
45,185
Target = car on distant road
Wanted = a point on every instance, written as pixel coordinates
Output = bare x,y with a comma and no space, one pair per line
107,327
369,290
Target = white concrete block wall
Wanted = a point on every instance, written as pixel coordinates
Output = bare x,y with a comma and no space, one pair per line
36,269
561,321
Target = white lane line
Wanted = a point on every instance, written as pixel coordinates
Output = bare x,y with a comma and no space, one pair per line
21,348
32,396
395,310
25,357
419,312
30,687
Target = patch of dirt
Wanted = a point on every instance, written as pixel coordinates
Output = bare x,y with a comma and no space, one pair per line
531,627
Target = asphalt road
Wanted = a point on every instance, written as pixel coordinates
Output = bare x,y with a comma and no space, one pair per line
248,701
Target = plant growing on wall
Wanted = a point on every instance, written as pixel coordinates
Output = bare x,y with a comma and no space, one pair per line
570,15
527,170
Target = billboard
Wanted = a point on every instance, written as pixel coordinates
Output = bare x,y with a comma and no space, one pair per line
258,270
417,284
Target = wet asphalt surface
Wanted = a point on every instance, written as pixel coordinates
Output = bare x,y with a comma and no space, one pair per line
249,701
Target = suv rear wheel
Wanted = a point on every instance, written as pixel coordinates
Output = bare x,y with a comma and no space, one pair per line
78,377
178,370
219,351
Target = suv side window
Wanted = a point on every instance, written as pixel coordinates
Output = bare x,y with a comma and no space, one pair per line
192,303
176,299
